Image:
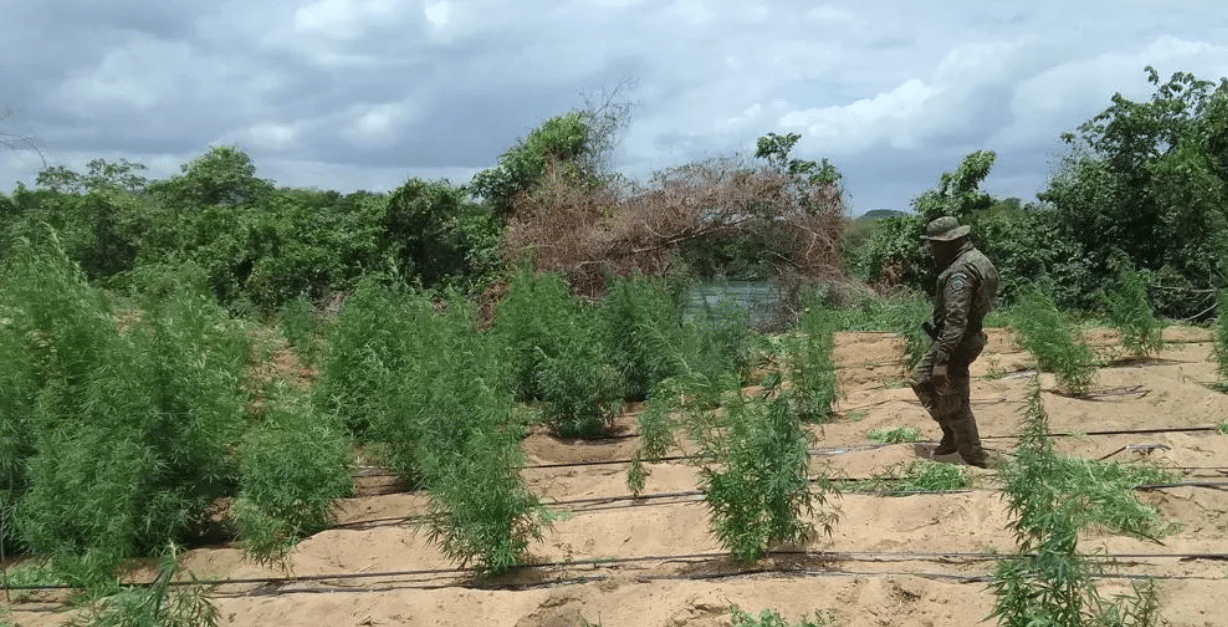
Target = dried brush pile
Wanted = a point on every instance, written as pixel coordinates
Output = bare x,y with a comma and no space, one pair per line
592,230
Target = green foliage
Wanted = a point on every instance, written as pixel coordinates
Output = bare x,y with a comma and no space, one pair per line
1057,346
769,618
894,435
122,440
417,376
303,327
562,139
755,477
559,355
437,236
294,466
1129,311
157,605
809,364
223,175
1147,178
919,475
1221,335
896,253
1051,499
643,325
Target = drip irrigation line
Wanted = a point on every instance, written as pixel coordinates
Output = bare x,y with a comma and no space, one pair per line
661,499
834,557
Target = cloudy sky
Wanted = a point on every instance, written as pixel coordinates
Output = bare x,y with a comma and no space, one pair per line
362,94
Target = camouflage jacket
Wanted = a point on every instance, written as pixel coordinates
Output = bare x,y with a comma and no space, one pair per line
963,295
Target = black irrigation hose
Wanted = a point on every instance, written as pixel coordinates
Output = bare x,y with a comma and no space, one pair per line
827,557
604,503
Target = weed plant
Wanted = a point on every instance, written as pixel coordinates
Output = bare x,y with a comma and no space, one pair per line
643,325
809,364
558,353
755,477
302,326
1129,311
919,475
1050,501
1056,345
127,426
157,605
442,407
770,618
294,465
894,435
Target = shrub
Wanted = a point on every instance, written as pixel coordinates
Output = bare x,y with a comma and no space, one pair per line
1045,332
1129,311
558,354
302,326
125,440
1221,335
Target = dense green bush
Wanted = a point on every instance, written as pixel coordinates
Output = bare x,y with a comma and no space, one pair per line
416,376
122,439
1221,335
558,351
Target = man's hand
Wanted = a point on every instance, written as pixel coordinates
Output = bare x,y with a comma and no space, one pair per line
939,378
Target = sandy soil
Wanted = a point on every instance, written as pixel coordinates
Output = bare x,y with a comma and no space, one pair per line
914,560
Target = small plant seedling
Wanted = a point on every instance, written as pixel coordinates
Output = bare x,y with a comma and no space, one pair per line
894,435
770,618
1222,429
856,416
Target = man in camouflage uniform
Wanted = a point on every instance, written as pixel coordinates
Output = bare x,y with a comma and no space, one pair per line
967,284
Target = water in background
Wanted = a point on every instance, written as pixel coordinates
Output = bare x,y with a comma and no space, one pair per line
761,300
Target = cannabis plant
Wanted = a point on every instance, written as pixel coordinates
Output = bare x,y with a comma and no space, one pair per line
755,477
1051,501
156,605
1129,311
1221,335
894,435
1056,345
809,364
293,467
770,618
643,325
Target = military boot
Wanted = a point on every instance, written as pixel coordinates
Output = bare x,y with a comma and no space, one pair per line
968,441
947,445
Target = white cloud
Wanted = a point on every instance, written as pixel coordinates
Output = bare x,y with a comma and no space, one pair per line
345,19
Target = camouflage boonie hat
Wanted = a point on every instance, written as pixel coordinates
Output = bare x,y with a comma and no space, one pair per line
945,229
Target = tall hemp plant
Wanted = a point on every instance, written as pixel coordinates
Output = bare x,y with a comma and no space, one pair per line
1051,499
809,364
1058,347
1129,311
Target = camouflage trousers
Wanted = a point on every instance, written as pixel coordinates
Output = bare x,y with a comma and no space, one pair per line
951,407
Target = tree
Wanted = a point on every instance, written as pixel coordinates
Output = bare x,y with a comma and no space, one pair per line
224,175
1150,179
17,141
101,175
896,254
